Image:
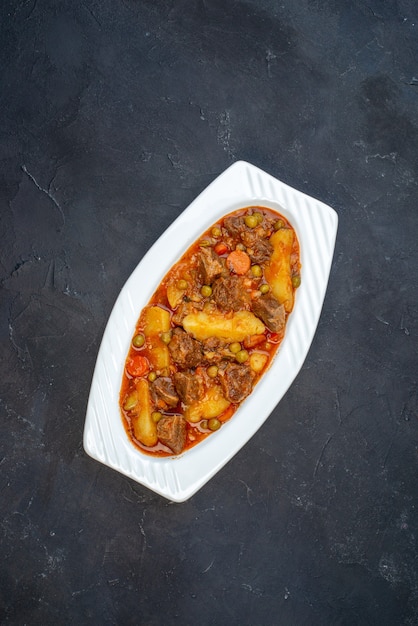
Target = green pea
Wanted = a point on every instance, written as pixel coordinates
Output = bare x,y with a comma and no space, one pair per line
212,371
156,416
235,347
131,401
204,243
206,291
152,376
296,281
204,423
216,231
242,356
166,337
259,217
182,284
251,221
278,224
214,424
264,288
138,341
256,271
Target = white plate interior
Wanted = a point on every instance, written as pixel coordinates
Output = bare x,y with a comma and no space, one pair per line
178,478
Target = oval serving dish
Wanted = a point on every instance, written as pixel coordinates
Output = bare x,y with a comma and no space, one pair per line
179,477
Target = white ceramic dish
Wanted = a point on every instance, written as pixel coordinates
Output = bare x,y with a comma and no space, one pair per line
178,478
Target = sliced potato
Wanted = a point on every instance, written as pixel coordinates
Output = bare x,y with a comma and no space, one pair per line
131,400
258,361
158,355
174,294
235,328
156,320
144,427
278,272
213,404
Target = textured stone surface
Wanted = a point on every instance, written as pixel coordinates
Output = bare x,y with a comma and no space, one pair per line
114,116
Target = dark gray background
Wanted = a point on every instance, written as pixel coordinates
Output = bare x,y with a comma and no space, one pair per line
114,115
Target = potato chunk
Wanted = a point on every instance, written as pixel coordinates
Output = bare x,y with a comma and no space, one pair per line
278,271
241,324
159,355
211,405
174,294
156,320
257,361
144,427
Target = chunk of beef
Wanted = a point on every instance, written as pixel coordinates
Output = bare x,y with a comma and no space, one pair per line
249,237
209,266
234,225
216,350
268,309
230,294
163,389
189,386
184,350
171,431
185,308
261,251
213,344
236,382
258,249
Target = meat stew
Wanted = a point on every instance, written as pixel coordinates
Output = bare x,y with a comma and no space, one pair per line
210,331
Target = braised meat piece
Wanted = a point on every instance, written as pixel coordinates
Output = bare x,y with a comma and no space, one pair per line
230,294
249,237
214,344
258,249
163,389
171,431
184,350
268,309
189,386
216,350
185,308
234,225
209,266
236,382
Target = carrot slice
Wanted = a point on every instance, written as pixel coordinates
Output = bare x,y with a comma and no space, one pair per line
238,261
221,248
137,365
